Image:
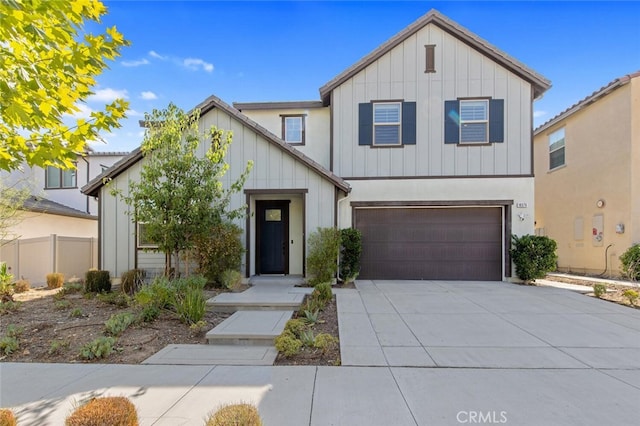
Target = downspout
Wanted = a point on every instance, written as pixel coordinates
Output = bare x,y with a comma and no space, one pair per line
85,160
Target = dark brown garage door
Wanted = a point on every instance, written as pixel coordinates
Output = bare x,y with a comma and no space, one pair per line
431,243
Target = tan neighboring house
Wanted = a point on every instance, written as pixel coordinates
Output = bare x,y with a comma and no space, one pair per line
425,145
587,178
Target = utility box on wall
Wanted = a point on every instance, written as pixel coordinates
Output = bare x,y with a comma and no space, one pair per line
597,231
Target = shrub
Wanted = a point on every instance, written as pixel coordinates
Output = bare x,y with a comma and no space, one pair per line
533,256
631,295
70,288
235,415
98,348
149,313
295,327
218,250
322,292
121,300
97,281
311,317
599,290
6,284
231,279
307,338
21,286
287,344
61,305
196,282
350,252
118,323
10,306
7,418
8,345
630,261
311,304
57,346
111,410
14,331
325,342
159,293
132,280
324,246
191,305
76,313
55,280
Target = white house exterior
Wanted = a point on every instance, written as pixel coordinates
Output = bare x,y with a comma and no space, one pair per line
425,145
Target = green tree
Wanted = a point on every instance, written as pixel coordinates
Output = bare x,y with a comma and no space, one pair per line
180,193
12,198
533,256
48,65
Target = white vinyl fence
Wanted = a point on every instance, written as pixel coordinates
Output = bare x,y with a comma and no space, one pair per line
33,258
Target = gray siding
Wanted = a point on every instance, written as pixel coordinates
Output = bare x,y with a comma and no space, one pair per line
273,169
460,72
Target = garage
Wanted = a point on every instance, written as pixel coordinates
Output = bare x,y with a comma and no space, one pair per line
417,243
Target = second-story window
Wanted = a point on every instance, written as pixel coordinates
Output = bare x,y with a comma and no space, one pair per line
556,149
387,123
474,121
293,131
57,178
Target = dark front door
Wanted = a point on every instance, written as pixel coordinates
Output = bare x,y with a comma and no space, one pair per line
272,237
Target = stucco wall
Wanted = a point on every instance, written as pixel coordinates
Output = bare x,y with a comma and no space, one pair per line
35,225
598,166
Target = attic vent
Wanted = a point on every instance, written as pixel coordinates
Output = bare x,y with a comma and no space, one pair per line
430,61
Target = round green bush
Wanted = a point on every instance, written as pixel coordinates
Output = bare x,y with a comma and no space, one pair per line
235,414
630,260
533,256
287,344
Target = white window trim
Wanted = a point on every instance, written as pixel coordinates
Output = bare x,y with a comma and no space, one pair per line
398,124
563,147
303,124
61,173
485,121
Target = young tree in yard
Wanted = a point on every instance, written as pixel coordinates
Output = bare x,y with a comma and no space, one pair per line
12,198
48,66
180,193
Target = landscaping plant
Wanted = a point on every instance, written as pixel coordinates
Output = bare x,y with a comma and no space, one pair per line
21,286
631,295
218,251
97,281
599,290
101,347
533,256
350,252
288,344
324,246
132,280
630,261
55,280
235,415
118,323
6,284
231,279
110,410
191,305
7,418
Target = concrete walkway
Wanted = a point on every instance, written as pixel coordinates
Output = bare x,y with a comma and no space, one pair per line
419,353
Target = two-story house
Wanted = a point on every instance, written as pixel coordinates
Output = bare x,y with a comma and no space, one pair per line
588,178
425,145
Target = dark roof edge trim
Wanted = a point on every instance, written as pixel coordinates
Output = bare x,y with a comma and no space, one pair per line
252,106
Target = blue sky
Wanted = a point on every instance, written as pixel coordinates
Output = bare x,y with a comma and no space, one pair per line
242,51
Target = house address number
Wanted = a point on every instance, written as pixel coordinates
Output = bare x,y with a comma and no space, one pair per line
521,205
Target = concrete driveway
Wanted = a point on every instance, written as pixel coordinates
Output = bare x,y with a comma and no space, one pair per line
414,353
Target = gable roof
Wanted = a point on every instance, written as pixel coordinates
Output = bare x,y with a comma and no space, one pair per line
42,205
585,102
207,105
540,84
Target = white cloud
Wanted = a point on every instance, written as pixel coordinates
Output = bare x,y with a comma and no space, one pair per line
156,55
134,113
196,64
135,63
84,111
538,114
107,95
148,96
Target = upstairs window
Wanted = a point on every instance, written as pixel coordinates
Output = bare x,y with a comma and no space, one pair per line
474,121
57,178
293,131
387,123
556,149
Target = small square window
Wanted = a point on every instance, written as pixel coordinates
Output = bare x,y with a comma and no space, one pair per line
387,123
474,121
273,215
293,129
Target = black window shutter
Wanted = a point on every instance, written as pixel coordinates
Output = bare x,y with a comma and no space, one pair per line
496,120
365,121
451,121
408,123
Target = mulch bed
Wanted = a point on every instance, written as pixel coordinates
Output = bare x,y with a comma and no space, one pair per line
615,296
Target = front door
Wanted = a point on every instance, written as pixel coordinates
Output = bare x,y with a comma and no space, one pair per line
272,248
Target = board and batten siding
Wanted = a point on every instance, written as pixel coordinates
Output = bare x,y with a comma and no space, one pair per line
273,169
460,72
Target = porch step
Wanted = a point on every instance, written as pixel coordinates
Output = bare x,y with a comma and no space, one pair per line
249,328
196,354
256,300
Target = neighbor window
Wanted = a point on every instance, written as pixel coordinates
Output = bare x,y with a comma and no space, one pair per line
293,129
143,239
556,149
58,178
387,123
474,121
